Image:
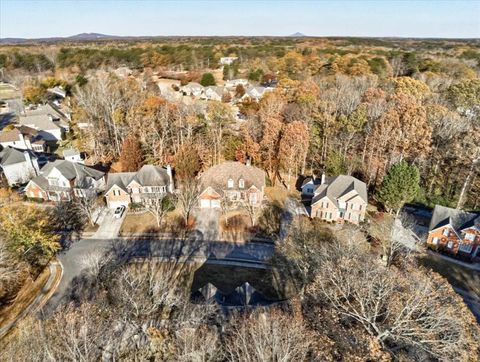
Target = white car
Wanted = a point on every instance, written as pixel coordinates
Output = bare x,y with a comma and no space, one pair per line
119,212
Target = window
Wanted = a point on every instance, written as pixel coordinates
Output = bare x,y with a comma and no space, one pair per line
319,213
230,183
253,198
241,183
360,207
309,190
446,232
470,237
466,248
450,244
435,241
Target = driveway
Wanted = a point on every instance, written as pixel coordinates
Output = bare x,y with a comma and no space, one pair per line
109,225
292,209
207,223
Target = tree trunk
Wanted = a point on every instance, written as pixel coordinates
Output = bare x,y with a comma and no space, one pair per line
466,183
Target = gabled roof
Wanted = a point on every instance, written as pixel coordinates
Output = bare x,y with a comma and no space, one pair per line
120,179
148,175
11,156
73,171
217,176
41,117
336,187
457,219
14,134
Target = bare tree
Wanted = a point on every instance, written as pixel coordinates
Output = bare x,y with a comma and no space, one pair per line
401,309
187,197
159,207
253,210
225,206
87,206
268,337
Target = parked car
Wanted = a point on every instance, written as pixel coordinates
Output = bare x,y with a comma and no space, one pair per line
119,212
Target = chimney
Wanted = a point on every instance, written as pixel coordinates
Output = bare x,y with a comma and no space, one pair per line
323,179
169,173
249,163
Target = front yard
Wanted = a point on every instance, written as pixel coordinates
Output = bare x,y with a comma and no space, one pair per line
145,222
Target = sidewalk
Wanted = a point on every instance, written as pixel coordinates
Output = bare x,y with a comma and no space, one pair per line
40,300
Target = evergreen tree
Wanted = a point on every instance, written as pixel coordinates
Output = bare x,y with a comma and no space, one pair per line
131,156
399,186
207,79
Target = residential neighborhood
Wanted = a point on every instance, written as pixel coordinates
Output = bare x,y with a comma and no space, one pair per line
181,190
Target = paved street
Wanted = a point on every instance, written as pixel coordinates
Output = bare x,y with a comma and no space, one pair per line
74,259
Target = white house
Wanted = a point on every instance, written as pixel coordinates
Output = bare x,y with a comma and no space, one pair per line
233,83
61,180
192,89
22,138
48,120
227,60
18,166
255,93
73,155
214,93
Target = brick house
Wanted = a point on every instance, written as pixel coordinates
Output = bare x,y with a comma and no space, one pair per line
62,180
339,199
150,182
239,182
455,232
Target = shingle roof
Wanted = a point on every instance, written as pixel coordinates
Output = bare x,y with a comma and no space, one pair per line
70,152
217,176
14,134
336,187
40,117
11,156
148,175
121,179
73,170
458,219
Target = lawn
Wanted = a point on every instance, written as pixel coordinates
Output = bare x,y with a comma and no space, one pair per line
146,223
457,275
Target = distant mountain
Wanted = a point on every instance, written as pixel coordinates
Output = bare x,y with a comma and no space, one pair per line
77,37
92,36
297,35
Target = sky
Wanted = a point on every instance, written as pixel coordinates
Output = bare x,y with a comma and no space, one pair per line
42,18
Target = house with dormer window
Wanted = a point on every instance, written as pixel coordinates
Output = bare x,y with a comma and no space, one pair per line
63,180
141,187
455,232
336,199
238,182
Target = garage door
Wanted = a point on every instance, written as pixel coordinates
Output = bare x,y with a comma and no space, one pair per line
115,204
209,204
205,204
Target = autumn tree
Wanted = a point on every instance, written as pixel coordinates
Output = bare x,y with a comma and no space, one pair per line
26,231
131,156
187,197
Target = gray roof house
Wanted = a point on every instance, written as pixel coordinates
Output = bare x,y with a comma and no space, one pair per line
61,179
150,182
457,219
339,198
237,181
18,166
47,119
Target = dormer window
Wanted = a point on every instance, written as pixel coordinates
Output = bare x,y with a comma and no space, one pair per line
230,183
445,232
241,183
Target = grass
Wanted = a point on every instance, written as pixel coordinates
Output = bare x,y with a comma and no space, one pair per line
276,194
146,223
25,296
457,275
